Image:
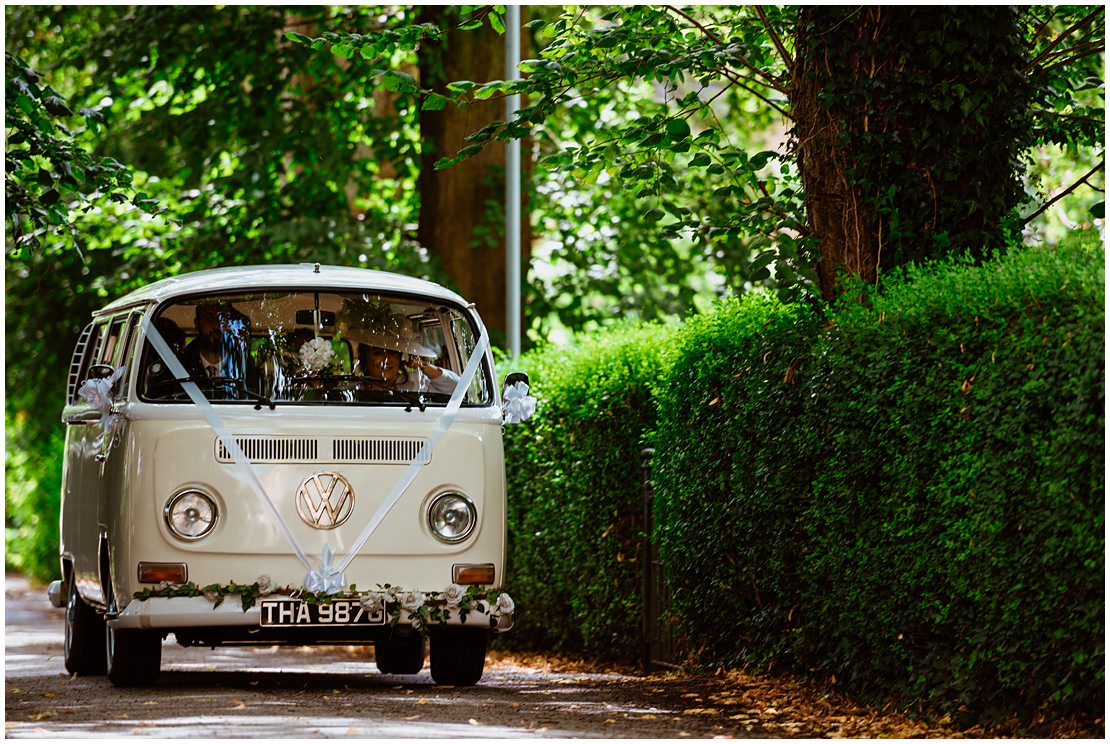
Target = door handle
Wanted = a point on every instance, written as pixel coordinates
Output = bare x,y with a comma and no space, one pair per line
83,417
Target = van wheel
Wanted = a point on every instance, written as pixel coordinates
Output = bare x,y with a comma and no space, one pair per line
400,654
134,656
84,645
458,655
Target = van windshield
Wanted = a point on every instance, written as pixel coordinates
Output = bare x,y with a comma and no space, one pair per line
314,347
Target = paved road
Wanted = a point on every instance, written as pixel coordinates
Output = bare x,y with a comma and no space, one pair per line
336,693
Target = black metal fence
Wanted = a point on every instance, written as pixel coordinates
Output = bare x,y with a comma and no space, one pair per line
662,647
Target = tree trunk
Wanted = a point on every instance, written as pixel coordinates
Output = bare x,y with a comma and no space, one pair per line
462,207
836,212
910,125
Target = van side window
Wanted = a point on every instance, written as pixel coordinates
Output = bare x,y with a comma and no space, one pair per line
82,359
131,334
110,348
479,392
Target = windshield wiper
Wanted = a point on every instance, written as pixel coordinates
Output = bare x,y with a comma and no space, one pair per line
414,399
260,400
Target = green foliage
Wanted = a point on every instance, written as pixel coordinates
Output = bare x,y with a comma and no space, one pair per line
1067,47
936,109
31,505
50,179
657,150
908,497
731,475
575,492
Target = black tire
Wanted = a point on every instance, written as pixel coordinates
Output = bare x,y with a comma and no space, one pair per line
458,655
400,653
84,644
134,657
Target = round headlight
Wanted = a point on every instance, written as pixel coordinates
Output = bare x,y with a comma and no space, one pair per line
191,515
452,517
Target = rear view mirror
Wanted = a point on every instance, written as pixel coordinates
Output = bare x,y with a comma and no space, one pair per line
305,317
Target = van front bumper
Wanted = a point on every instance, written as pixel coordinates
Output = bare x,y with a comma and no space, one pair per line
172,613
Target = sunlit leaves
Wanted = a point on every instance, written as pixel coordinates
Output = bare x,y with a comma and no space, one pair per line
50,179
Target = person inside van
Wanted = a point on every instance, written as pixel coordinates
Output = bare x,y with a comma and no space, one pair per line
221,348
387,369
389,352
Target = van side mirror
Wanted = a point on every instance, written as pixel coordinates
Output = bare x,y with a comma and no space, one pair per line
513,378
518,405
101,371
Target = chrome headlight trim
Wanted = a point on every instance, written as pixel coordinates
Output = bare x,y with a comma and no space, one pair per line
202,500
443,512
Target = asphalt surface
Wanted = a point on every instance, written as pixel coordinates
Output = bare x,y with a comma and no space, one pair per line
278,692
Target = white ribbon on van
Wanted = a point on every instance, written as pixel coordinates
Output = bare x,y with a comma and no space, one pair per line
519,406
97,392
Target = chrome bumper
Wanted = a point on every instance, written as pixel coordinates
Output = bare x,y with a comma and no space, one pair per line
168,613
57,593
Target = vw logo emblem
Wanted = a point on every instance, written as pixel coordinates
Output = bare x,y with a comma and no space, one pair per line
325,500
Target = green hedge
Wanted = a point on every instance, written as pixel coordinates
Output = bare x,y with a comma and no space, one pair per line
32,502
575,493
907,496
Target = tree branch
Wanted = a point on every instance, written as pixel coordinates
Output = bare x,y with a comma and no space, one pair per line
765,79
1065,192
787,60
737,80
1069,117
1075,57
1060,38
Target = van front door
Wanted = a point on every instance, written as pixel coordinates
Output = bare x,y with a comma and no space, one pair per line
115,469
79,467
86,447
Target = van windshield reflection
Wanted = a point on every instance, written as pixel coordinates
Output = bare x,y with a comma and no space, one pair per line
313,348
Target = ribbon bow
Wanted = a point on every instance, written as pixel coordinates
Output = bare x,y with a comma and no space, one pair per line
98,394
328,580
519,405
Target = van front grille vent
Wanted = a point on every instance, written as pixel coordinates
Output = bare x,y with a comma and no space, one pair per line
378,451
367,450
271,449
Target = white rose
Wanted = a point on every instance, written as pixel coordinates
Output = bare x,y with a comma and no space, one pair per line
316,355
372,601
265,585
504,606
211,595
454,595
412,601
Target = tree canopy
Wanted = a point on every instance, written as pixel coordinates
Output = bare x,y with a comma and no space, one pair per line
665,139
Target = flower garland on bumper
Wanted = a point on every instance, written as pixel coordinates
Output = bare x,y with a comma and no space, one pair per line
419,608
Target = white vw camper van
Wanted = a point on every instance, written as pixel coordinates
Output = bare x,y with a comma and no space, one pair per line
294,454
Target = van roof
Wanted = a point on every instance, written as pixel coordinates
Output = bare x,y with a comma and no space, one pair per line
284,276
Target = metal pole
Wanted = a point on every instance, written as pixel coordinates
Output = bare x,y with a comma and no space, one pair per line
512,190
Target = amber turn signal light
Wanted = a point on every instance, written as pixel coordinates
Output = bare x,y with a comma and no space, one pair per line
156,573
472,573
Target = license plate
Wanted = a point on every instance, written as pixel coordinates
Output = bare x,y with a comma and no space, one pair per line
339,612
